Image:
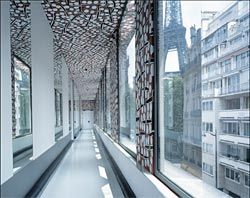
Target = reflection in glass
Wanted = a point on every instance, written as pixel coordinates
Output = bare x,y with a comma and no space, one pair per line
203,120
127,79
58,91
58,112
108,111
20,37
22,99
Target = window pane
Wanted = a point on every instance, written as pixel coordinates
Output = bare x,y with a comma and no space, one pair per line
202,96
108,98
127,78
22,99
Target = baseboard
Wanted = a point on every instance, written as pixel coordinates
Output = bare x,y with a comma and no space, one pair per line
22,182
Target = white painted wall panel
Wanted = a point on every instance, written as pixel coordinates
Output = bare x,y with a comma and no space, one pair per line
6,129
65,96
43,99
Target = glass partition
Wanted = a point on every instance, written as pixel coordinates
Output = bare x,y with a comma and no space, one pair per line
107,97
200,103
58,92
20,33
127,79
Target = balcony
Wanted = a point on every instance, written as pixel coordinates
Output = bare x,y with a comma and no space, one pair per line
238,88
210,93
234,47
234,139
238,29
209,58
234,113
235,162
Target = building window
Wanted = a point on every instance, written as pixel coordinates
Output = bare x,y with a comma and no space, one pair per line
208,148
207,127
207,168
127,79
22,106
242,60
246,129
233,175
226,65
207,105
247,180
246,102
233,104
58,108
232,84
231,128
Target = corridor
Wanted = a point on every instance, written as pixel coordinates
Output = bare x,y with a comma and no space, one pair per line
124,98
76,178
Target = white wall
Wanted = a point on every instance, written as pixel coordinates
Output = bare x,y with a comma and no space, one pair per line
77,117
6,129
43,101
87,119
65,96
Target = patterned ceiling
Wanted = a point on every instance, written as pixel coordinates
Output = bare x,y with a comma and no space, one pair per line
20,30
83,31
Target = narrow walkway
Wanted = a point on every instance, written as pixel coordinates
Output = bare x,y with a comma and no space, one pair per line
83,172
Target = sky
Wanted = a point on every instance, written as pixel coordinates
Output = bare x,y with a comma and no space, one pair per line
131,68
191,14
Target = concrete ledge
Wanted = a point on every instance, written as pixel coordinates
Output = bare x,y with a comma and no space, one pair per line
142,184
21,182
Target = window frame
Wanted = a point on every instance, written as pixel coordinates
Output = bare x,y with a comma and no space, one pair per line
30,82
167,181
129,151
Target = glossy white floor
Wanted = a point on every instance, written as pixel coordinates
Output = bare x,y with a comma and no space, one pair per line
83,172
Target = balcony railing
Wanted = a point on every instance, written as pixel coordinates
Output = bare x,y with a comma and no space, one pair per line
235,46
209,59
211,93
235,88
236,157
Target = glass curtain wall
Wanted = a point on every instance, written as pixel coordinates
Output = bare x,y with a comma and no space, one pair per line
197,142
127,78
107,95
58,91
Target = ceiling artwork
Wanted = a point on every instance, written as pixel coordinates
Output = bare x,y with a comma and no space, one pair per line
20,30
83,32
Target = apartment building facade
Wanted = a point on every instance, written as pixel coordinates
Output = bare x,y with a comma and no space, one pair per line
192,108
225,100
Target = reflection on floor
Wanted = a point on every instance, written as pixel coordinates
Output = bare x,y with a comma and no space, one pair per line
83,172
